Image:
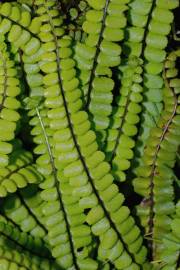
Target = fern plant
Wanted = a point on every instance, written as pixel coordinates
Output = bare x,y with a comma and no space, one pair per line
97,110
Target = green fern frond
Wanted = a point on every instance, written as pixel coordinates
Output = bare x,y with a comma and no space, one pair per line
100,52
23,241
9,90
119,141
19,173
155,176
71,241
25,210
154,47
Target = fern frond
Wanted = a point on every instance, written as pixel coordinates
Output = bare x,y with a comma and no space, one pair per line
25,210
9,90
21,30
71,244
119,142
12,256
100,52
154,45
18,24
19,173
23,241
155,175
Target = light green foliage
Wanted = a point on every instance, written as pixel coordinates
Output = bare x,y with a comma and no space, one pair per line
19,173
159,27
88,100
98,54
9,89
25,210
119,141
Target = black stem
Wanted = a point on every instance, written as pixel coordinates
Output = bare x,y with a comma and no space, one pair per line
23,202
96,56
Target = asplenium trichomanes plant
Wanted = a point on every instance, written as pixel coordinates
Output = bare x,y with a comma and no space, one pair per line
89,135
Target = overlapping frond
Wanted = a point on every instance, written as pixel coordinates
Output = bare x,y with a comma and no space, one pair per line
155,176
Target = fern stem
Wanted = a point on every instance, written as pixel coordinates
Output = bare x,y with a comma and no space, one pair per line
31,212
120,128
5,84
147,28
96,56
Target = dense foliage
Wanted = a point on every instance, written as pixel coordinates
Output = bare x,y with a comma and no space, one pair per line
89,135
